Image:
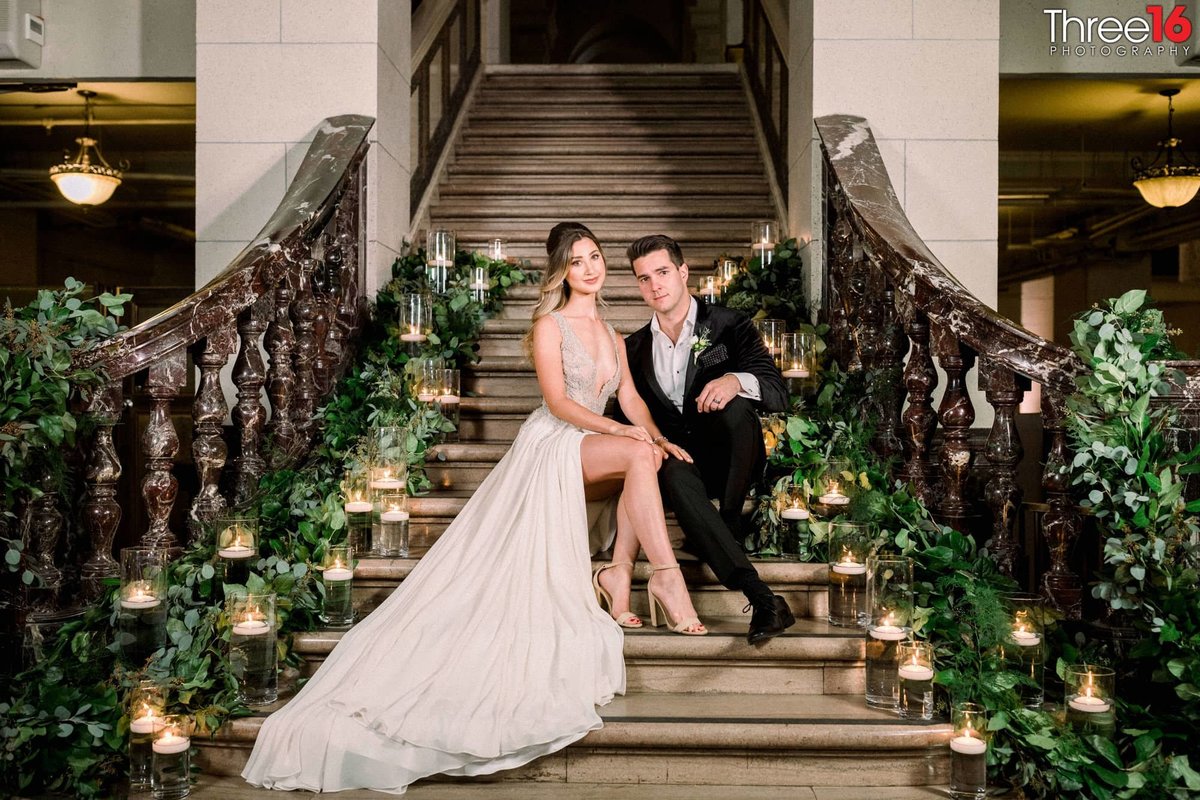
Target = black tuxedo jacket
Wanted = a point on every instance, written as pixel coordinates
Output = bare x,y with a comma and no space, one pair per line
735,346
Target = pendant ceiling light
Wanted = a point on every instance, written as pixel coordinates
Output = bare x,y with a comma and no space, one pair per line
87,180
1171,179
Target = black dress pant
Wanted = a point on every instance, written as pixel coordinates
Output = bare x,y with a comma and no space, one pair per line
727,447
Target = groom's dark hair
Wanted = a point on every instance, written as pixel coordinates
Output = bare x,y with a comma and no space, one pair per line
652,244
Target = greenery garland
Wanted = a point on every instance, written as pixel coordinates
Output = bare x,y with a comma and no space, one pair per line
64,719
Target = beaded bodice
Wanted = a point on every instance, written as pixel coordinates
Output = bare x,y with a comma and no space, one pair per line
581,373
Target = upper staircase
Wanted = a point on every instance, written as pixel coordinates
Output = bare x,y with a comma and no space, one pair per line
632,151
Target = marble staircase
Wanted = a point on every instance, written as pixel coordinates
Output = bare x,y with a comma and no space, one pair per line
700,711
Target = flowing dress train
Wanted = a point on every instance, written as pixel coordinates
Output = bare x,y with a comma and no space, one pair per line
491,653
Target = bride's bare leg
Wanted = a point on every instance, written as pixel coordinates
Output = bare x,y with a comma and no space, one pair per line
607,457
618,582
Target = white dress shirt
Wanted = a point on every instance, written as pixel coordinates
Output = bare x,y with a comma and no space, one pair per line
671,360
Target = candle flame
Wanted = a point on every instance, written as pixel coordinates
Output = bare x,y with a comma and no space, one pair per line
147,710
337,564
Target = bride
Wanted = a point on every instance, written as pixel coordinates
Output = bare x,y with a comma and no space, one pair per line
493,651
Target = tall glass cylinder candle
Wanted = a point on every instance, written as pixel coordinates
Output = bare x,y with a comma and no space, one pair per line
449,401
772,331
416,319
968,752
356,502
728,271
337,578
1090,698
796,359
709,288
439,259
426,377
890,611
495,250
237,545
146,711
835,487
392,541
479,284
764,235
171,776
142,603
849,546
1024,649
252,653
916,680
791,505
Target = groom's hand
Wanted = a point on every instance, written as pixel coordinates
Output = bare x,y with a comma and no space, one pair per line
717,394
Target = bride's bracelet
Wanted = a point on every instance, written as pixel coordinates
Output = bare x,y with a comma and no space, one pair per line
662,439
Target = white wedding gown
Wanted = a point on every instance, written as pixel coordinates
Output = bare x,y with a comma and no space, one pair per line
491,653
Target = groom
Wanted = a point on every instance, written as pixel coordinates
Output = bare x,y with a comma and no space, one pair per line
704,372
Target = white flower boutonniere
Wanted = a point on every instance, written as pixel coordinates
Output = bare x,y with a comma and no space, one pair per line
700,343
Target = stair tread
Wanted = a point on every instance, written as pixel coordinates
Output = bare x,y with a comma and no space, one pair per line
774,571
723,721
807,640
212,787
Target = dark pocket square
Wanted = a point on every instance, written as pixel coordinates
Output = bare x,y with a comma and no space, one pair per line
713,356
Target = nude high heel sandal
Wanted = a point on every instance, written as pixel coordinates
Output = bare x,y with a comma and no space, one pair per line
626,619
656,605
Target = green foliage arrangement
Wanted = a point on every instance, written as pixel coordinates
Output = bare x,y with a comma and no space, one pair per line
37,387
64,720
774,290
1133,471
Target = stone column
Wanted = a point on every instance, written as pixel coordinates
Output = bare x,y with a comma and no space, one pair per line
267,73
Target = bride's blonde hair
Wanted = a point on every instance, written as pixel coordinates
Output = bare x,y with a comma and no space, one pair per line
554,288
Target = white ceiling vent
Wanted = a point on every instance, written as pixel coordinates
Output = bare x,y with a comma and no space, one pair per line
22,32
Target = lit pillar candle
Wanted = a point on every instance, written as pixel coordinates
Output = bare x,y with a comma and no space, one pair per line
834,496
139,597
413,335
238,548
358,507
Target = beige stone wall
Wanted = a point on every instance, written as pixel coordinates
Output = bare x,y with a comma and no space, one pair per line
267,73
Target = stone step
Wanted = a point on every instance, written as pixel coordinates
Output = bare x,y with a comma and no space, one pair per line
563,165
733,739
804,586
700,255
595,208
811,658
494,419
708,126
215,787
508,341
614,113
597,99
568,186
673,145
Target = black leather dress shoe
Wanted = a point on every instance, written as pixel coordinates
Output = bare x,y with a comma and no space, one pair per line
769,620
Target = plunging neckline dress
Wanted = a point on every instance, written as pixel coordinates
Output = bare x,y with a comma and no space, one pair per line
491,653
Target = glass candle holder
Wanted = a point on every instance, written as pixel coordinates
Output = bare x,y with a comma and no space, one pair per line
772,331
916,680
479,284
337,577
890,610
796,359
141,605
252,653
146,715
439,259
836,486
764,234
728,271
495,250
392,541
449,400
709,288
1024,649
356,502
968,751
1090,698
849,546
171,774
237,545
792,502
416,319
427,378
